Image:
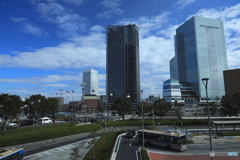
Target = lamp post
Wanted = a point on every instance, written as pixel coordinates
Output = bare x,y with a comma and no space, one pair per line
205,83
83,94
72,101
217,106
142,120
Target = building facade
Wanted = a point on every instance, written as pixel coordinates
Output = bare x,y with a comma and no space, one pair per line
123,75
200,53
232,81
90,79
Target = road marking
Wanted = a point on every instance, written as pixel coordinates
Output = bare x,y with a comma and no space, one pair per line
130,143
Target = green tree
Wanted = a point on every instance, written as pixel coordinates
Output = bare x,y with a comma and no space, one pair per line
123,106
10,107
146,109
161,107
52,105
230,104
36,107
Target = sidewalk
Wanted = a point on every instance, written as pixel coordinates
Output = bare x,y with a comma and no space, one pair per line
204,139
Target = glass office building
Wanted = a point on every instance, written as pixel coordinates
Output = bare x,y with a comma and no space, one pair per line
90,79
123,77
200,53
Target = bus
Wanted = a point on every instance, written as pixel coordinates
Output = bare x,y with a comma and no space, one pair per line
11,154
168,140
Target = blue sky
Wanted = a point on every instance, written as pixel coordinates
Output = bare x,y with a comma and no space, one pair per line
45,45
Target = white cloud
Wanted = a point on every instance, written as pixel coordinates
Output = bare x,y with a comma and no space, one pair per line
231,20
29,28
44,79
148,25
55,85
112,8
182,3
76,2
69,23
85,51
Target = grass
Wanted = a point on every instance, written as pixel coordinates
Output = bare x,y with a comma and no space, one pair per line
144,154
102,148
26,135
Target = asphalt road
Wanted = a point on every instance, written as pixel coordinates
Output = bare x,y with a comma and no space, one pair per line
59,150
127,148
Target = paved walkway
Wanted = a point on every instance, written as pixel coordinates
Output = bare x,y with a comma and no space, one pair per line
156,156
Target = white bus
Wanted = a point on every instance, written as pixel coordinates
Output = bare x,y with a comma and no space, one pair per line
170,141
12,154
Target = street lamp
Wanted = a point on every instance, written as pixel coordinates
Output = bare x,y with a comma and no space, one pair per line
217,106
83,94
72,101
142,119
205,83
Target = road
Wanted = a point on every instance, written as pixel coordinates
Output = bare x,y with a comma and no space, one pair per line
60,150
129,146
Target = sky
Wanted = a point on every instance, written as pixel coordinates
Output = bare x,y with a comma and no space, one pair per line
45,45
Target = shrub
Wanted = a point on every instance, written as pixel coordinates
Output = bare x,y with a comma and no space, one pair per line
229,133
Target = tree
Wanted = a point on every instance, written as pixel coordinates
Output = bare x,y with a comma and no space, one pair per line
230,104
52,105
123,106
36,107
161,107
10,107
146,109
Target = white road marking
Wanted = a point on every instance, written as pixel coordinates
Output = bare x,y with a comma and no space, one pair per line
130,143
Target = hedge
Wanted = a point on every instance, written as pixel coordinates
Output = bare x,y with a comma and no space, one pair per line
45,134
229,133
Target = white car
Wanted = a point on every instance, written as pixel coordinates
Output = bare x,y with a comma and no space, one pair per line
44,120
11,124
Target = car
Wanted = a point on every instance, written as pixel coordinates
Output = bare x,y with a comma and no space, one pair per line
44,120
26,122
11,124
130,133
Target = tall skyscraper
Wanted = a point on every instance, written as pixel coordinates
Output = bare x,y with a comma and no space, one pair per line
123,77
200,53
90,79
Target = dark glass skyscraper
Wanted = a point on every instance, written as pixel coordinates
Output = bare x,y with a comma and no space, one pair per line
123,77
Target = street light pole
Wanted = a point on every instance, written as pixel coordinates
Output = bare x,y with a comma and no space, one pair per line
72,102
205,83
142,119
59,108
217,107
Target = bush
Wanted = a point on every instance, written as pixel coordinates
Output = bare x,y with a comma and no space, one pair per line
190,141
45,133
144,154
229,133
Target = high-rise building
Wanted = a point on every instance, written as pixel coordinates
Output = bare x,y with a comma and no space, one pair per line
123,77
90,81
200,53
